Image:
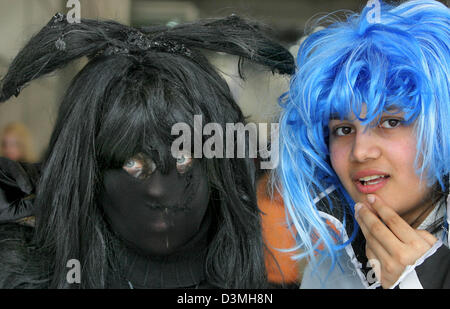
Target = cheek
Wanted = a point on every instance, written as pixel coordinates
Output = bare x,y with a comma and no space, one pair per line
402,154
339,157
407,191
408,180
200,185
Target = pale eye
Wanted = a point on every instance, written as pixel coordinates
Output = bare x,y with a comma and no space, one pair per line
342,131
133,167
390,123
130,164
133,163
184,162
140,166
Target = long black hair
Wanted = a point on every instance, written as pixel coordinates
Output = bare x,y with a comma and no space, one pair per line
120,104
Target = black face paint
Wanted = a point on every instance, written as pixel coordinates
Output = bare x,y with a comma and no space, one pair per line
155,213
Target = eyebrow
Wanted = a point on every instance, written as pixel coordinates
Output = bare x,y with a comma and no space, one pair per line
394,109
391,109
336,116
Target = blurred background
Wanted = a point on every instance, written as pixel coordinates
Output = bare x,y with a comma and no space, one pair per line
37,105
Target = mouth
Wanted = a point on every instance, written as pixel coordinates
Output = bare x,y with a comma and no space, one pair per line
160,226
181,207
162,221
367,184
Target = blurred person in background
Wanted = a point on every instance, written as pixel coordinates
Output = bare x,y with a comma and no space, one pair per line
16,143
18,173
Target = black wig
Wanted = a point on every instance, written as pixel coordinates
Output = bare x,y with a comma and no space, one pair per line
120,104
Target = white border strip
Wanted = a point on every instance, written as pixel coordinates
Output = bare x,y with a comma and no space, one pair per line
411,281
323,194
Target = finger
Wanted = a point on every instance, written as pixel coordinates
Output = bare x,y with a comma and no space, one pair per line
385,268
401,229
374,229
428,237
376,248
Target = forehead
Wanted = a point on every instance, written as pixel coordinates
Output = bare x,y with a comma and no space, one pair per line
352,115
9,135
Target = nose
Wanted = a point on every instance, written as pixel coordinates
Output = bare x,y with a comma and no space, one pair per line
365,146
163,186
156,185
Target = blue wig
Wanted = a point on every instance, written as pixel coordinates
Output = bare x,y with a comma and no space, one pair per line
400,61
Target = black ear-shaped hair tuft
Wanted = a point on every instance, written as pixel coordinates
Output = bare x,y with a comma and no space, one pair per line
56,45
61,42
235,36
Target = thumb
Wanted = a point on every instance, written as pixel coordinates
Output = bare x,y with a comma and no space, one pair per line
428,237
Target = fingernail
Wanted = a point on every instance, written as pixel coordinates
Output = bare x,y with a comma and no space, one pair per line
371,198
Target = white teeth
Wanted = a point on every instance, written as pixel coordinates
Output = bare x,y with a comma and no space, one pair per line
373,182
369,178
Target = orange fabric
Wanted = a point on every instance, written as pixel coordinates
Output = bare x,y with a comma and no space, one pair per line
315,237
276,236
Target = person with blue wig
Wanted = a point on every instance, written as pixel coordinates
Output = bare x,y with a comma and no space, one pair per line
365,149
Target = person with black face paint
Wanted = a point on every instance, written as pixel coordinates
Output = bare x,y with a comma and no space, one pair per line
111,194
162,215
154,212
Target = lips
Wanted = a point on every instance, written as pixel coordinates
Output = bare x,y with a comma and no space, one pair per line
160,226
369,181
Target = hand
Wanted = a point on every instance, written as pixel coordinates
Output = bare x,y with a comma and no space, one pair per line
17,189
391,243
